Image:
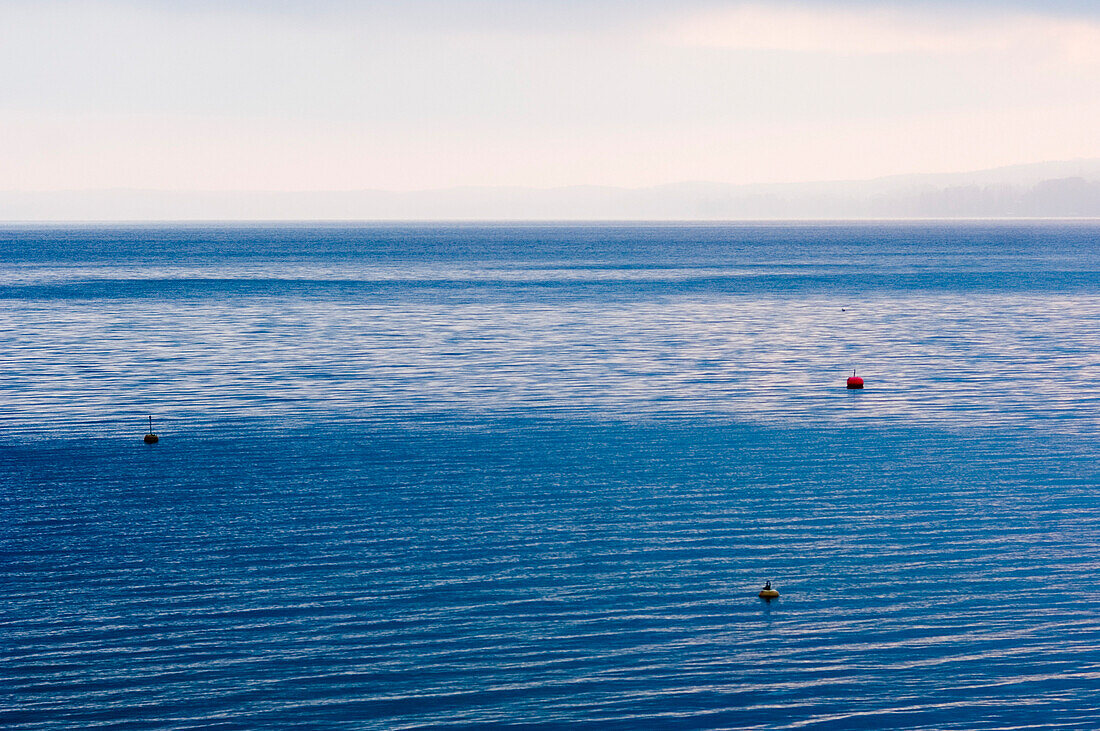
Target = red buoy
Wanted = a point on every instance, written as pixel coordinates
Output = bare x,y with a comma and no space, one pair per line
855,381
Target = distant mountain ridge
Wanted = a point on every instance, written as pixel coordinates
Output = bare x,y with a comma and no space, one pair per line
1066,189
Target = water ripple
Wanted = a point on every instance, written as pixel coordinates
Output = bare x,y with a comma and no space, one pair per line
535,476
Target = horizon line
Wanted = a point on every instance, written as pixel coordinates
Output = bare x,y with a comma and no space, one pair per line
539,221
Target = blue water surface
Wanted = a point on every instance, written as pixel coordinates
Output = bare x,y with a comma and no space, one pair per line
488,476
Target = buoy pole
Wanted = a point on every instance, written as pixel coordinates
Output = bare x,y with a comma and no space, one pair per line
151,438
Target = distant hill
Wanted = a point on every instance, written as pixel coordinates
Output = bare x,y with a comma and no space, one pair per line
1049,189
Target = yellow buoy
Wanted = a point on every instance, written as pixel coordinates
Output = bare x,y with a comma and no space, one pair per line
768,594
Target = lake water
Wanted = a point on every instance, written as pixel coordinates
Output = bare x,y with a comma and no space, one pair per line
470,476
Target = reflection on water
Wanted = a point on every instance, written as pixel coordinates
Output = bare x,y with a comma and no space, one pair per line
198,353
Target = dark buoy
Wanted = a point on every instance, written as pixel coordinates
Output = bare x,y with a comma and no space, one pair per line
855,381
151,438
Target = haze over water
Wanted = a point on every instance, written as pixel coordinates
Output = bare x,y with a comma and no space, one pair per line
488,475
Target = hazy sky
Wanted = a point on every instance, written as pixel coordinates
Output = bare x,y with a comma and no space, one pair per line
413,94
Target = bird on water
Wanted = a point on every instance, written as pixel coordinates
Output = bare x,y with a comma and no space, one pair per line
151,438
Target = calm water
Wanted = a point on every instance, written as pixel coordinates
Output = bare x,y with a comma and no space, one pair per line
486,476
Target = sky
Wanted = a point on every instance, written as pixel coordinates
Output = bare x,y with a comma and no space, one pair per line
231,95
